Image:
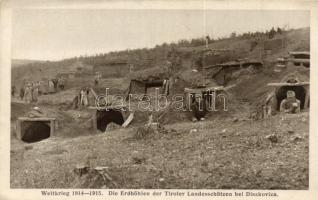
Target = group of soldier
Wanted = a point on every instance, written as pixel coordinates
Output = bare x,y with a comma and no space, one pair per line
30,90
81,100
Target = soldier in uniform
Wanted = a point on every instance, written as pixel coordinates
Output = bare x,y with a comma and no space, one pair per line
22,92
290,104
35,91
61,83
13,91
28,93
199,108
97,78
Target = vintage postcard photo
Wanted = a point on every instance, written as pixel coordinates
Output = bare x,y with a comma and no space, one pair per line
168,102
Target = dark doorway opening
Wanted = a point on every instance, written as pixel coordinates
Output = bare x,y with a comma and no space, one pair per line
299,91
105,117
35,131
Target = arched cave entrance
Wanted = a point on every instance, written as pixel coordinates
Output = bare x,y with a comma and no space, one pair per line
35,131
105,117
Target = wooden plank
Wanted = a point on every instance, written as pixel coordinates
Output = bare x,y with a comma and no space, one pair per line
52,128
18,129
36,118
166,87
93,92
299,52
288,84
306,105
108,107
128,120
200,90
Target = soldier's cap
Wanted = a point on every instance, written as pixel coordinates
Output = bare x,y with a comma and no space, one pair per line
291,93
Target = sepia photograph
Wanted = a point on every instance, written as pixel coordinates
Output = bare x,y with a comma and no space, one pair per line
201,99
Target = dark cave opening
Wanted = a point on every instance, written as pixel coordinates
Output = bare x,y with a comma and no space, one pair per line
35,131
299,91
105,117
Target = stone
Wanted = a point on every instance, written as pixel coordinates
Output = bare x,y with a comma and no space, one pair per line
272,137
194,130
297,138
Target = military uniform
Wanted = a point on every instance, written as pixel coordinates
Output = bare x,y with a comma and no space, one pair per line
290,104
198,108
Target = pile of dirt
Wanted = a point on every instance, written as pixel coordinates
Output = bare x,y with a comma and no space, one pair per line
83,119
153,73
19,109
153,131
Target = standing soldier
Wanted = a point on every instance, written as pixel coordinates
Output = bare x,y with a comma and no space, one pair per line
169,66
28,93
40,87
55,82
97,78
13,90
84,98
22,92
35,91
61,83
199,108
51,86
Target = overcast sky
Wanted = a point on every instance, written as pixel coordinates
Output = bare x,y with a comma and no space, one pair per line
56,34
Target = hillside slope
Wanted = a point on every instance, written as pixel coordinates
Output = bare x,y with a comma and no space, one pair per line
230,150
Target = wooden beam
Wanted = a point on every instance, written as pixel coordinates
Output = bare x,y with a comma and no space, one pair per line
288,84
200,90
36,118
108,107
128,120
299,52
93,92
52,128
306,104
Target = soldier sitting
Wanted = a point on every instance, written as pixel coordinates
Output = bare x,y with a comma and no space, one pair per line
290,104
